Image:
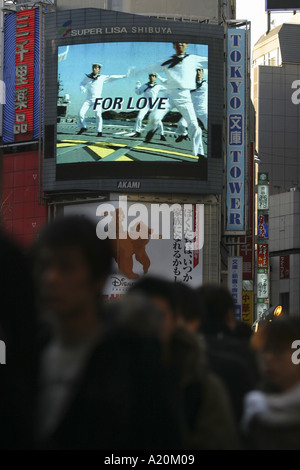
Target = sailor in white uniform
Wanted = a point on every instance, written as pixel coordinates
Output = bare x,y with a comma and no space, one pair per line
180,71
200,102
92,85
151,90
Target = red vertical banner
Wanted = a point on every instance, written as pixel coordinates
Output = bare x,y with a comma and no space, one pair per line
24,84
263,256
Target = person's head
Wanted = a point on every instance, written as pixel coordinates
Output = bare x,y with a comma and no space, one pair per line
96,68
199,75
161,292
180,47
273,343
71,265
152,77
219,308
189,306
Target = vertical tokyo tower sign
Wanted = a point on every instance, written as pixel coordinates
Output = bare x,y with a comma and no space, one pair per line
21,76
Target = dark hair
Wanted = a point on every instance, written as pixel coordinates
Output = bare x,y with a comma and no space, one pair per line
189,303
279,333
156,287
79,232
218,301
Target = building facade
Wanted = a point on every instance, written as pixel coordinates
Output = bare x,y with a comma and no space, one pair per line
276,72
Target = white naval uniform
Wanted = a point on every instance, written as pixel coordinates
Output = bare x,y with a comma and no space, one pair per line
93,88
149,90
200,102
180,82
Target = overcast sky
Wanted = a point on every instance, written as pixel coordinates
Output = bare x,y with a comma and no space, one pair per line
254,11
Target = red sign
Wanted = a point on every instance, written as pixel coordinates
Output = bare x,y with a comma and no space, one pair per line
24,84
285,267
262,256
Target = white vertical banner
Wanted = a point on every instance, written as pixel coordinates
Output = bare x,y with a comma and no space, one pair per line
235,282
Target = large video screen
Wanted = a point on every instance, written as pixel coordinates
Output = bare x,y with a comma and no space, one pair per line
132,102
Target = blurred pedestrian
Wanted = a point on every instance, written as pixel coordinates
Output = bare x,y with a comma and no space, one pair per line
271,419
208,421
102,383
18,366
71,266
229,352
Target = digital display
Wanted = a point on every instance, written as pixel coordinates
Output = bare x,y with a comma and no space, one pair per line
132,102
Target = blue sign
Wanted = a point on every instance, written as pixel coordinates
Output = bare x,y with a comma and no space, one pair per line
236,145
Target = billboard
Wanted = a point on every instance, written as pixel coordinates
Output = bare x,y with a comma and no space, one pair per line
151,110
149,239
282,5
133,102
21,111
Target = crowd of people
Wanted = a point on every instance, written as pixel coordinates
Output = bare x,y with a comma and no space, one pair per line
166,367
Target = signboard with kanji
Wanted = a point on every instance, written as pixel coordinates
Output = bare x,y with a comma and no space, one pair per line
21,114
236,134
263,255
247,307
263,227
235,282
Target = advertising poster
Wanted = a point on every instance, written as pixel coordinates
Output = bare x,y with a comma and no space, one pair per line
149,239
132,102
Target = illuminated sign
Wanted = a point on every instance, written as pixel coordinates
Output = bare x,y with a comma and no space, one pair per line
262,286
262,255
262,197
21,76
263,227
236,131
132,102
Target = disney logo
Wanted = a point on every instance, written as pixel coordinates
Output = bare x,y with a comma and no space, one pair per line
120,282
